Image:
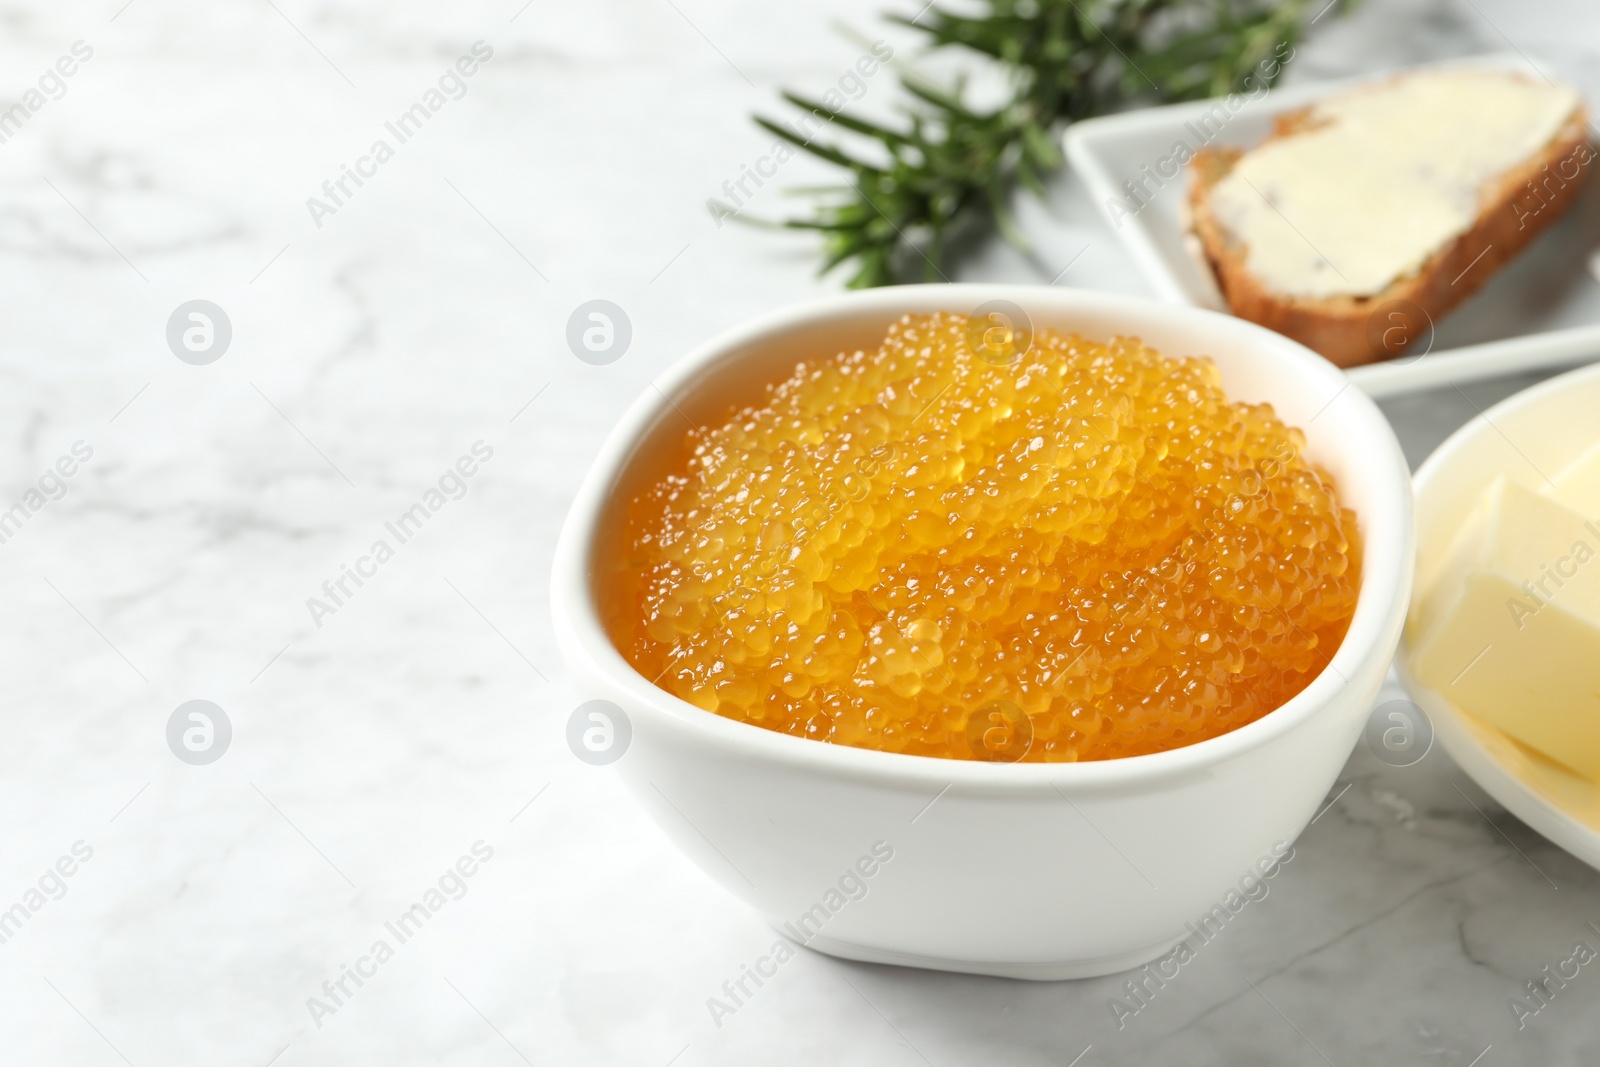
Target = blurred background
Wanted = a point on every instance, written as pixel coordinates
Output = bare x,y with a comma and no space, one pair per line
374,340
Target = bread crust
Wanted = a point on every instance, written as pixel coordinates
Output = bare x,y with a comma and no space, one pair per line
1513,210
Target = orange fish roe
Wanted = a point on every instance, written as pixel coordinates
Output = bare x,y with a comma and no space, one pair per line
1087,553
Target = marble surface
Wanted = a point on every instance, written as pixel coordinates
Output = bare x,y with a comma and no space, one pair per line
423,719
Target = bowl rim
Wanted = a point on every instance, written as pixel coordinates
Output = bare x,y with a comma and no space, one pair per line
1380,607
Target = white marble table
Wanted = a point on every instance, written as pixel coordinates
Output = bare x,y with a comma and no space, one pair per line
377,744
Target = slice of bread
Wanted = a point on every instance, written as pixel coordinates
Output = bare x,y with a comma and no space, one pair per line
1513,208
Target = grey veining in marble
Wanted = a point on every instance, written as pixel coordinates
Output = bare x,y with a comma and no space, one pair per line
375,747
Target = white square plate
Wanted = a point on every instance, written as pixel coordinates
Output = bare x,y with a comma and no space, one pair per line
1540,311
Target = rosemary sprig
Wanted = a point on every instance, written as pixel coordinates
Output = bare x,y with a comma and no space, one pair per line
1065,60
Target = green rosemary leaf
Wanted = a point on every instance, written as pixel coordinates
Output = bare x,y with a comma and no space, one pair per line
1063,60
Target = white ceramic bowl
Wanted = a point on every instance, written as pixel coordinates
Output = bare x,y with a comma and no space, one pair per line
1025,870
1525,437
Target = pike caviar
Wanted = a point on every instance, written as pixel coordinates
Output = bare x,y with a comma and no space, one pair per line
1085,553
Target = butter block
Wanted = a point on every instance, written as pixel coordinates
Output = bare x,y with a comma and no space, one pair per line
1513,531
1509,631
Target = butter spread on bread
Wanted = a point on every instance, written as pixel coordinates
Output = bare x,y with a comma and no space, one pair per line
1384,177
1416,188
